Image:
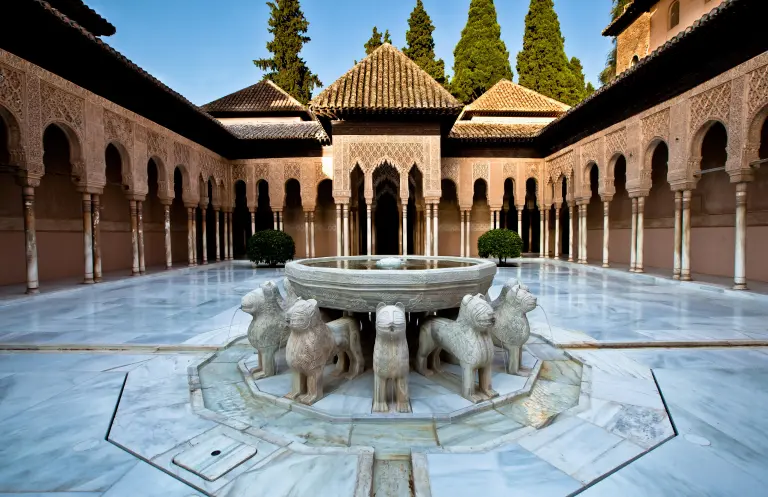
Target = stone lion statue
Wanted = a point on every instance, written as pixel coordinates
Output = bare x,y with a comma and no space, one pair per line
346,339
310,346
268,330
511,329
468,339
390,358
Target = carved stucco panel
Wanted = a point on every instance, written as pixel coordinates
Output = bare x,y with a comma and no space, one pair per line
656,126
34,129
713,104
181,154
757,94
60,106
118,129
12,90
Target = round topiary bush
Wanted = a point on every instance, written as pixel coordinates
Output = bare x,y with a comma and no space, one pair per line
501,244
271,247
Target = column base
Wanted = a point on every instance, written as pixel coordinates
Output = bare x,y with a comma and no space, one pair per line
685,277
205,263
631,270
639,270
168,266
605,264
570,259
32,291
740,286
88,282
675,276
97,280
135,273
142,273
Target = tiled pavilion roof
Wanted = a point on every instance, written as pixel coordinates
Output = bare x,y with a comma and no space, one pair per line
385,82
84,16
304,130
263,97
507,98
470,131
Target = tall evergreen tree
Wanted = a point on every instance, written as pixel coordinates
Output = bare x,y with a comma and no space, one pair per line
376,40
289,71
420,44
607,74
542,64
481,58
578,91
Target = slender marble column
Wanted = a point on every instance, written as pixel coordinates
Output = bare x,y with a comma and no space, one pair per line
140,218
190,234
557,232
205,236
428,246
368,237
678,234
276,227
167,235
570,232
469,234
404,248
685,266
493,220
30,239
230,241
640,229
339,251
463,224
373,229
520,222
306,235
135,238
96,220
541,233
88,238
435,212
606,233
633,237
224,236
546,232
253,222
345,219
194,236
312,233
740,258
218,235
583,234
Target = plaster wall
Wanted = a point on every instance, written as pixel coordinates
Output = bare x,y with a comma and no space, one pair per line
690,12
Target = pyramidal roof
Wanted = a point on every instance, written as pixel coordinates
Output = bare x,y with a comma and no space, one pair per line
263,98
385,82
508,98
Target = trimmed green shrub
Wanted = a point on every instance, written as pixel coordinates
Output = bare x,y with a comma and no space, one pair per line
271,247
501,244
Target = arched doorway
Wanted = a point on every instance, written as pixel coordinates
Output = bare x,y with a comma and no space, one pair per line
594,235
620,215
12,241
757,213
325,220
713,208
509,217
264,218
450,218
386,182
241,221
531,218
659,213
480,215
116,237
565,218
179,225
294,216
59,209
210,219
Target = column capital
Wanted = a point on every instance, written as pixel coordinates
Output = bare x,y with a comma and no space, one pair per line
26,180
135,196
742,175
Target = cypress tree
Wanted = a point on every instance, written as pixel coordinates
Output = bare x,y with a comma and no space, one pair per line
376,40
609,72
285,68
481,58
420,44
579,90
542,64
589,90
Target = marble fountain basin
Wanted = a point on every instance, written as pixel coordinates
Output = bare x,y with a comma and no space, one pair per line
421,284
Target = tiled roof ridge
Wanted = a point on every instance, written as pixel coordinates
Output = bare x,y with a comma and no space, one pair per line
705,19
108,28
292,105
437,98
557,106
301,130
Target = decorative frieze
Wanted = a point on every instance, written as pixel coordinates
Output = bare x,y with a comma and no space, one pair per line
656,126
58,105
713,104
12,89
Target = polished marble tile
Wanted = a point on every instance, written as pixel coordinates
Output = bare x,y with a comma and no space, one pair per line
512,471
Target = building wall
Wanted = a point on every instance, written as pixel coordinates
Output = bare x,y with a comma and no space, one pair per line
651,29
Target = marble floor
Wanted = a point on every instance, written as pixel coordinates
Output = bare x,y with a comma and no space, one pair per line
57,407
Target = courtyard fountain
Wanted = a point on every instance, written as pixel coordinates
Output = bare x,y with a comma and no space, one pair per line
367,375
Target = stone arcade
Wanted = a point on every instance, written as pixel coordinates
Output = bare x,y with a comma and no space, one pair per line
658,173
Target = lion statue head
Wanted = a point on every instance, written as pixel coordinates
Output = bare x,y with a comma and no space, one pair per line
303,315
518,296
476,313
264,299
390,320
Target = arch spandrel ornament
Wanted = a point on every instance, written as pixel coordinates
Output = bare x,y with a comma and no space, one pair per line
711,105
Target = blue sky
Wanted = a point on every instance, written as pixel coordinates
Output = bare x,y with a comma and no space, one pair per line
204,49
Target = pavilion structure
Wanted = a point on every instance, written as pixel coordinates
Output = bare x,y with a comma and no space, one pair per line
104,168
